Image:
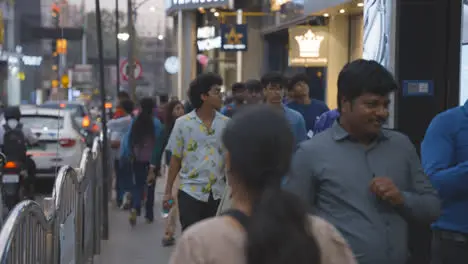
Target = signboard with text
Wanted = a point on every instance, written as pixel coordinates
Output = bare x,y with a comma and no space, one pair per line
175,5
308,46
234,37
208,38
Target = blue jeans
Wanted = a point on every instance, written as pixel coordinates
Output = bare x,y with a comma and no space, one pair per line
123,181
140,174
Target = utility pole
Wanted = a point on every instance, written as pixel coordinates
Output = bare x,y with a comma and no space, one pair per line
131,50
117,47
104,146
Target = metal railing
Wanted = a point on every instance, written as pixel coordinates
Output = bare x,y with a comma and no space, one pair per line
67,227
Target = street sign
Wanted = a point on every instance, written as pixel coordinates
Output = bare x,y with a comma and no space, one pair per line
83,73
125,68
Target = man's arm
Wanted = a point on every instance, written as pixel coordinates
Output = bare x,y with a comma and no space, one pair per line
422,202
301,179
438,159
176,145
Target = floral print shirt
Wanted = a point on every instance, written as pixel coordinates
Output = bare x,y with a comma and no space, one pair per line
202,155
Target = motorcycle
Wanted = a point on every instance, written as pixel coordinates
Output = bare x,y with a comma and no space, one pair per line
12,182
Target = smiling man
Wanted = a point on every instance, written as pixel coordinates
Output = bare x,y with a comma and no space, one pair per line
365,180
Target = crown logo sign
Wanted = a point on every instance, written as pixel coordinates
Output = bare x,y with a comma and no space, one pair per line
309,44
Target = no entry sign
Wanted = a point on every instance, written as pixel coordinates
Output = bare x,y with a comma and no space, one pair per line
125,69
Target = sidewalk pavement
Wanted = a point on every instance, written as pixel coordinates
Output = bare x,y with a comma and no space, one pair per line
135,245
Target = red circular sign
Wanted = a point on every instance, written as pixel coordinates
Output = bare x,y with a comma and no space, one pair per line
138,72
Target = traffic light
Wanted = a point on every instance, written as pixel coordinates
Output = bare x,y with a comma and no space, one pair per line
65,81
55,15
61,46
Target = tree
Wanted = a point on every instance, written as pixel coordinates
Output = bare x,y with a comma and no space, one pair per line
108,33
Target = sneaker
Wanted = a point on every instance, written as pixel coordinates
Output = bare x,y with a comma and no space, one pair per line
168,241
125,205
133,217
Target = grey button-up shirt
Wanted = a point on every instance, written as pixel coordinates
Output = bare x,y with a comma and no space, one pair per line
333,173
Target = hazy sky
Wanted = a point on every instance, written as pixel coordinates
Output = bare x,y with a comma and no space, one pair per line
151,15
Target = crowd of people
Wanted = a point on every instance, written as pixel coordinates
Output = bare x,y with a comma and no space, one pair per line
276,177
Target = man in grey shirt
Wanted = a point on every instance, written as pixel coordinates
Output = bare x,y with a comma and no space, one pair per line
366,181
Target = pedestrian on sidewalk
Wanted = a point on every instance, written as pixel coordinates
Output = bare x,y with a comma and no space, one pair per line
174,110
265,225
118,128
444,153
197,153
239,95
274,88
366,181
301,101
145,134
254,91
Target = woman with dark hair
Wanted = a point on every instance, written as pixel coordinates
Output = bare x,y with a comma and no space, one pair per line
145,134
266,225
174,110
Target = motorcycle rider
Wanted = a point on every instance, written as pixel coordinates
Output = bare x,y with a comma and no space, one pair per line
12,117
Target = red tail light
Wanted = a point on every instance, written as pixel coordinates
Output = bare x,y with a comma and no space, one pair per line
95,128
86,122
67,142
10,165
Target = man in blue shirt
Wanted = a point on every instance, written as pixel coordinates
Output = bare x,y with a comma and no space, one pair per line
309,108
326,120
239,93
444,152
273,90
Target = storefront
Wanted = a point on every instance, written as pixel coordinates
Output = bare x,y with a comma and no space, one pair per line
198,39
319,42
209,56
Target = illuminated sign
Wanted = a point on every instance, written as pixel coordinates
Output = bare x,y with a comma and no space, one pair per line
234,37
308,46
207,39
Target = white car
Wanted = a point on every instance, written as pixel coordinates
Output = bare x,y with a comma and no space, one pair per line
60,143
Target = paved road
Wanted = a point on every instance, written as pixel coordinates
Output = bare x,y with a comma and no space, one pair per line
140,244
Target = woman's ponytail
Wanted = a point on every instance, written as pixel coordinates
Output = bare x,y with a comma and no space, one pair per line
279,231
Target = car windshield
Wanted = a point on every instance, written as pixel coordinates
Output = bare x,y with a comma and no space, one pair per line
42,122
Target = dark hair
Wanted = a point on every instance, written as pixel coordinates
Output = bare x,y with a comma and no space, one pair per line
128,106
201,86
364,76
273,78
169,119
260,143
123,95
297,78
253,85
143,126
237,86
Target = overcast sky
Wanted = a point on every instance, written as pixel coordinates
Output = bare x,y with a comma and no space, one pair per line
151,15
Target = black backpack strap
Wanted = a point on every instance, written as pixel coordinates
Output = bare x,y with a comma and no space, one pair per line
240,217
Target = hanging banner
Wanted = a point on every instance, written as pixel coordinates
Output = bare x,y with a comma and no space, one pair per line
234,37
308,46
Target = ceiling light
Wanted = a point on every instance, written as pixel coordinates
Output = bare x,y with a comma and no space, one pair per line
342,11
360,4
212,10
216,14
326,15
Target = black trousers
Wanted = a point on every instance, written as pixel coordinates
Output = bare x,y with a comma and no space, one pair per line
192,210
449,247
30,182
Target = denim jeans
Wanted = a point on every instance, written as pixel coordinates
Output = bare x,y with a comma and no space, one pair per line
140,174
123,181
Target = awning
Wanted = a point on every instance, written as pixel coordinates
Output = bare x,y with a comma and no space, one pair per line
311,7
